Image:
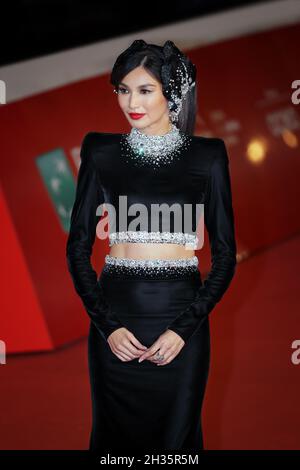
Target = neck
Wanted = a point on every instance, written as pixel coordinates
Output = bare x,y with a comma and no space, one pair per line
156,131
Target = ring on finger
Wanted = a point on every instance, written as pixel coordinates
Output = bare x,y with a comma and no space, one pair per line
159,357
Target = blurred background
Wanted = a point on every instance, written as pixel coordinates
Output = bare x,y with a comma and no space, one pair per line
55,63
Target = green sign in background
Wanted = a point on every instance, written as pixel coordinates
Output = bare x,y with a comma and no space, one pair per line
58,178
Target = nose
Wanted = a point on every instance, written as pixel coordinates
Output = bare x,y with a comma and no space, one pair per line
133,101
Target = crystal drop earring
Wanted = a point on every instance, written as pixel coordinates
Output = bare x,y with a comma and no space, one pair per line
173,116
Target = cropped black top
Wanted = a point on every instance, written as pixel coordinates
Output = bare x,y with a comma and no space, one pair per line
197,176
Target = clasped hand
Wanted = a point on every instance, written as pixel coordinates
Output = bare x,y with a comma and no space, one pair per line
126,346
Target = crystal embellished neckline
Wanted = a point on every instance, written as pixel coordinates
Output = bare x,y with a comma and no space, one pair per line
154,150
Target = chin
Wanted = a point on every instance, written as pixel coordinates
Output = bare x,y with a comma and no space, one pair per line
138,124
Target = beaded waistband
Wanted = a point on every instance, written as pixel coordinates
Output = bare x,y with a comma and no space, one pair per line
153,268
131,236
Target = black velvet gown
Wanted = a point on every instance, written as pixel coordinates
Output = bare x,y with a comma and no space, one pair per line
142,406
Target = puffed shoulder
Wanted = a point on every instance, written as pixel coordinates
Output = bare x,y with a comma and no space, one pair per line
88,144
219,167
222,151
89,139
219,154
213,148
93,139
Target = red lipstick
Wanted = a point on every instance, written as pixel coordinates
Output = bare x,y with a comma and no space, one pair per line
136,115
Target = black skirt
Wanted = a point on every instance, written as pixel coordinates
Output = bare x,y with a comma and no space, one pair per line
142,406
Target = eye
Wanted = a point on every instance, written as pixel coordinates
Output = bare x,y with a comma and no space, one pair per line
123,91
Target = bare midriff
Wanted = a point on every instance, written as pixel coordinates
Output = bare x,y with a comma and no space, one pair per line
151,251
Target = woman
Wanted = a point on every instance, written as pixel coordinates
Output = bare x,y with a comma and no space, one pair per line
149,338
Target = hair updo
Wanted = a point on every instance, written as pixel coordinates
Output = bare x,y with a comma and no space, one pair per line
164,63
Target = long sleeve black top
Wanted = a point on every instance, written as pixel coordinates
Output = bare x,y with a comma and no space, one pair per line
200,176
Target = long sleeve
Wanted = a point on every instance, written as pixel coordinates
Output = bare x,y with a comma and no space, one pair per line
80,242
219,221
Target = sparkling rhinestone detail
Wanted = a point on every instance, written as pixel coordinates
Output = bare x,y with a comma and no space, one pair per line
152,263
131,236
154,150
151,268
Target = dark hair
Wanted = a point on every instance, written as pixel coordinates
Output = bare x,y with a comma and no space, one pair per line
151,57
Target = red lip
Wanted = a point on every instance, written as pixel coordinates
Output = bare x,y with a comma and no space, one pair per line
136,115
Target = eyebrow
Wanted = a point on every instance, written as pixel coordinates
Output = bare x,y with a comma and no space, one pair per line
140,86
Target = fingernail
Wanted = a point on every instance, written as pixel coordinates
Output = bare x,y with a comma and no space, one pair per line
140,360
